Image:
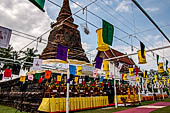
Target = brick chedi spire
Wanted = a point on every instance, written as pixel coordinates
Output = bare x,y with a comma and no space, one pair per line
66,34
65,12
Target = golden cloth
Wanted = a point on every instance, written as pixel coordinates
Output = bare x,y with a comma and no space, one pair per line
119,101
75,103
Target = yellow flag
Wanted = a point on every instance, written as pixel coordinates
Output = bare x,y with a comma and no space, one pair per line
79,70
62,61
22,78
58,78
168,81
76,79
137,79
107,75
125,77
147,79
154,81
163,79
105,65
156,77
144,74
169,71
131,73
160,67
101,45
140,58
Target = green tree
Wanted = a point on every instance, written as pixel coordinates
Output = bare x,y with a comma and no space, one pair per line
29,55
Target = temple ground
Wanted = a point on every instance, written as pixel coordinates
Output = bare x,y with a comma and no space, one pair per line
6,109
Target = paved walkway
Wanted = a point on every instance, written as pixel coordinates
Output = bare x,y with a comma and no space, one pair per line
146,109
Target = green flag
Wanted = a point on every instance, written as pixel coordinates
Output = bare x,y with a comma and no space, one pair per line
39,4
166,64
157,56
108,30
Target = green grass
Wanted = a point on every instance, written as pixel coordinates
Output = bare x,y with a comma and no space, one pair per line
6,109
162,110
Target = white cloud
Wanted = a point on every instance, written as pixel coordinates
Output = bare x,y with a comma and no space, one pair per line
123,6
85,46
22,15
152,9
74,6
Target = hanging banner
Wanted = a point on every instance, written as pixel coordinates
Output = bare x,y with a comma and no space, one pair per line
99,62
107,75
101,45
72,69
47,74
79,70
142,60
169,71
7,73
95,73
37,76
37,63
156,77
124,76
131,73
62,53
40,80
5,35
76,79
137,79
145,74
163,79
22,78
168,81
108,30
59,78
30,77
160,67
101,78
105,65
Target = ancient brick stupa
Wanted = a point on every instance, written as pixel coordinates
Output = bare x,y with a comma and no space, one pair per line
65,33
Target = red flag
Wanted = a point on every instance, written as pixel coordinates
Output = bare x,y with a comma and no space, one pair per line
102,84
7,73
93,84
108,84
40,80
137,70
122,76
83,83
47,74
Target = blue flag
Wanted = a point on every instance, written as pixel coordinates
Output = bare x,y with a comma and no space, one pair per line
62,52
72,69
101,79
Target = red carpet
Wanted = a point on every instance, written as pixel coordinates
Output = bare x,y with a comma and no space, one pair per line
144,110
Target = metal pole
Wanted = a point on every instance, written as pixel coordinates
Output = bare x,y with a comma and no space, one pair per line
115,88
68,84
145,13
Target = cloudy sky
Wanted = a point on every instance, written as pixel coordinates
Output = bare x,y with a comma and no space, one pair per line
23,16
